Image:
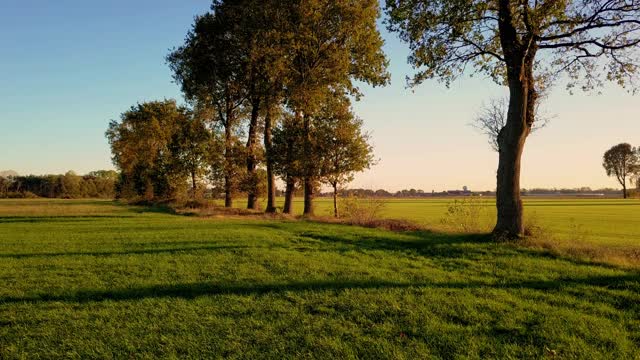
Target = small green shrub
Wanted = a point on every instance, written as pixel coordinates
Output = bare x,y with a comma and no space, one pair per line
466,215
362,210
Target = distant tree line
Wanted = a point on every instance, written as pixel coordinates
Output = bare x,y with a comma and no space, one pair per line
269,86
96,184
418,193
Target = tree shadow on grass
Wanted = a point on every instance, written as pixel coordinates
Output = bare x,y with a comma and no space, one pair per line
432,244
423,243
200,289
125,252
58,218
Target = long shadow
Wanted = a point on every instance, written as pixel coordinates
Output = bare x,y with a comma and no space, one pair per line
439,245
59,219
152,208
422,242
195,290
128,252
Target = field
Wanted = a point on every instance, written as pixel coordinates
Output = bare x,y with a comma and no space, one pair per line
97,279
613,222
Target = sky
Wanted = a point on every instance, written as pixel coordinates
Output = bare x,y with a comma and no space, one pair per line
68,67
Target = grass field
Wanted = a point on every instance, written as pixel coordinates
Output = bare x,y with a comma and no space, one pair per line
603,221
95,279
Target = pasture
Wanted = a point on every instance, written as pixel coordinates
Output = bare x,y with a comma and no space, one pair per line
612,222
98,279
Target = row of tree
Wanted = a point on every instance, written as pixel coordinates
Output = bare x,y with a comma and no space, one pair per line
96,184
285,72
255,61
622,161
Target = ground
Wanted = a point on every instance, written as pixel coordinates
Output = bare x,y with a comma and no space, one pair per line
97,279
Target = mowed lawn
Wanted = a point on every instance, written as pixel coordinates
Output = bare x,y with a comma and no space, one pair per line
95,279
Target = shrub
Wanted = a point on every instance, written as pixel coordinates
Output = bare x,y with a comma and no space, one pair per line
21,195
362,210
534,229
466,215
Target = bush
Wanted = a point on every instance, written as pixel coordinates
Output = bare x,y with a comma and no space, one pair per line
199,203
362,210
466,215
21,195
533,228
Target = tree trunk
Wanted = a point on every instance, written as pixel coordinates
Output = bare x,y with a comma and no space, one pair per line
288,196
335,201
228,186
193,184
308,196
252,189
228,199
308,168
511,141
271,179
624,189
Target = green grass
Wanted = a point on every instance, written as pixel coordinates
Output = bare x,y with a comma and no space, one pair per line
92,279
613,222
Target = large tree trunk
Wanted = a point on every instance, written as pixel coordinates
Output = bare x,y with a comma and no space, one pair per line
511,141
271,179
252,189
228,198
308,196
624,188
288,195
308,169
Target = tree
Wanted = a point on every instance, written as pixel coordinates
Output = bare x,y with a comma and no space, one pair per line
70,184
227,162
233,57
589,41
329,44
191,146
287,155
621,161
209,68
341,144
492,118
141,147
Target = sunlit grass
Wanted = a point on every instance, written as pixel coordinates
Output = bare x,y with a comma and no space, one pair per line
124,282
600,221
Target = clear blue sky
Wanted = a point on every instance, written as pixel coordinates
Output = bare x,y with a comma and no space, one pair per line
68,67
